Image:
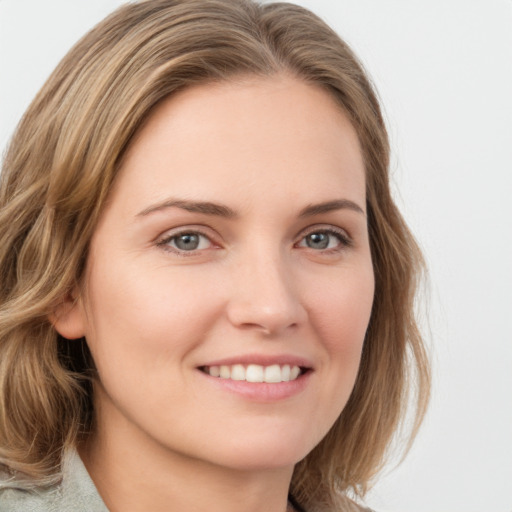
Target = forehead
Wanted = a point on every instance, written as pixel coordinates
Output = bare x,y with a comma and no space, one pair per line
255,133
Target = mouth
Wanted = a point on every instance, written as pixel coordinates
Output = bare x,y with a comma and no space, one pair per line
271,374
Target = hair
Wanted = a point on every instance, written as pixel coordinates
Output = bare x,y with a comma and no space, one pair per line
60,167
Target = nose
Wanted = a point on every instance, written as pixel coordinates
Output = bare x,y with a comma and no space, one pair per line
264,296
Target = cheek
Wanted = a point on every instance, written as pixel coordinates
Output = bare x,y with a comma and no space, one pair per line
344,303
143,321
341,313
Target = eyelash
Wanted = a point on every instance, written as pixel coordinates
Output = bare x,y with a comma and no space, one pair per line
165,242
342,237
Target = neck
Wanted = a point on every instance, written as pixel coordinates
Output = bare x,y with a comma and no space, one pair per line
132,472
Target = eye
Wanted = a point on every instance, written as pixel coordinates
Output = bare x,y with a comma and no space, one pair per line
325,240
186,241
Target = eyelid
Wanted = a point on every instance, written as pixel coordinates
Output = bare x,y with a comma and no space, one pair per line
342,234
163,240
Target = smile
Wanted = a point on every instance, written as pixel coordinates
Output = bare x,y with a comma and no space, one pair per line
255,373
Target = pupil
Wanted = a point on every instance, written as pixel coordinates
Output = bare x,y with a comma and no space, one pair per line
187,242
318,241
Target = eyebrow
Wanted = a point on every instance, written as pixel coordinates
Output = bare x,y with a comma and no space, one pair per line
204,207
220,210
329,206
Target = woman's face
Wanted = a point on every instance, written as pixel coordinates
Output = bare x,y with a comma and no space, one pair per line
235,243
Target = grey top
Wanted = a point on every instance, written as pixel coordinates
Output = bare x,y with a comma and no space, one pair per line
75,493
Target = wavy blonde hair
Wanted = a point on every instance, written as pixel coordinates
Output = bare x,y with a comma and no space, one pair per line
58,172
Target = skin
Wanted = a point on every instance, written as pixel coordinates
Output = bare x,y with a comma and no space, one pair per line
257,285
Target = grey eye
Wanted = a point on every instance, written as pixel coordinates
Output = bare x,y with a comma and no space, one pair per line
319,240
322,240
189,242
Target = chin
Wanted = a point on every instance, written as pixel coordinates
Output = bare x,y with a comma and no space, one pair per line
264,452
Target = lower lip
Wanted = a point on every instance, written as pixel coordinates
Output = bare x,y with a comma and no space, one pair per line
261,391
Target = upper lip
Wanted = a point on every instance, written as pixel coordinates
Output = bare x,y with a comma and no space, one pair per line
262,360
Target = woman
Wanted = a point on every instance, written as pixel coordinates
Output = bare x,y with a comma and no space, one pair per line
207,290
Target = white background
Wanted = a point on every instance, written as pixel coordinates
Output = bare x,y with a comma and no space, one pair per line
444,72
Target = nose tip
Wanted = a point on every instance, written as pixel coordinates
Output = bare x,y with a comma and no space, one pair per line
266,301
267,318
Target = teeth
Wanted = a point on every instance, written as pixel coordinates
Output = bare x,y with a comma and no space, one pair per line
215,371
294,373
238,372
255,373
273,374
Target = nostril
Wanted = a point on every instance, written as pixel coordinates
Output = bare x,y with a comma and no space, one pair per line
268,319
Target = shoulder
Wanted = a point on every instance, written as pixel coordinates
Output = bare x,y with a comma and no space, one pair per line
74,493
351,506
345,504
14,497
354,507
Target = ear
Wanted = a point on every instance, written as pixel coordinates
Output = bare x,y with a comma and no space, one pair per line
68,317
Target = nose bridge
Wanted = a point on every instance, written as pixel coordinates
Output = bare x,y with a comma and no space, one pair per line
264,294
